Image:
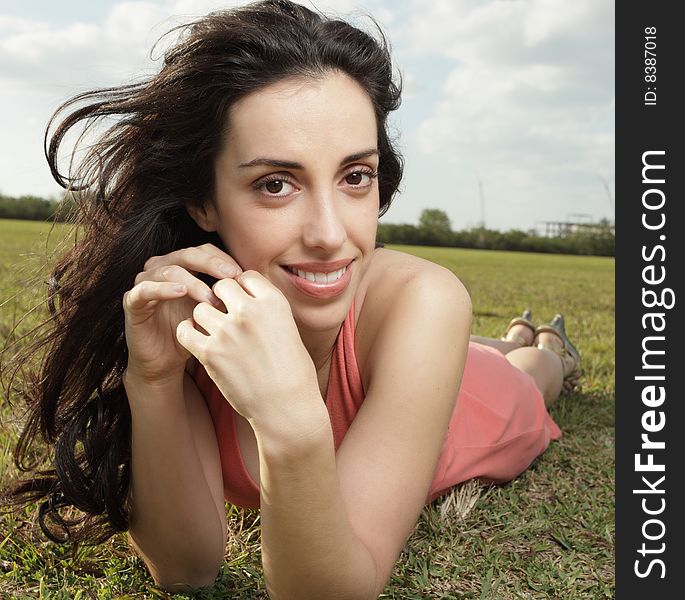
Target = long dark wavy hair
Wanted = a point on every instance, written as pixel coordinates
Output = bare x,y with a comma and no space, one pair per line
154,160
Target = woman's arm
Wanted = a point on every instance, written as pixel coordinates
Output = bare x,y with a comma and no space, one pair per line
177,514
333,526
177,517
309,547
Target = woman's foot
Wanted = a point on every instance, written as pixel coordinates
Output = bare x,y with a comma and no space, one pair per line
520,330
553,337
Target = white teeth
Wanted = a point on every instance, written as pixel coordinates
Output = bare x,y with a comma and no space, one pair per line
331,277
319,277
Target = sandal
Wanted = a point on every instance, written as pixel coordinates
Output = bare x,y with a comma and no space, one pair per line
524,319
569,355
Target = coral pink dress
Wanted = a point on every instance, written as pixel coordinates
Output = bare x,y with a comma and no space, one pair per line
498,428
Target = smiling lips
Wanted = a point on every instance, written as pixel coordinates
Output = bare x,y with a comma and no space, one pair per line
320,280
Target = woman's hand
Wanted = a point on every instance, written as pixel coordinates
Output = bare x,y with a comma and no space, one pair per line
165,294
253,352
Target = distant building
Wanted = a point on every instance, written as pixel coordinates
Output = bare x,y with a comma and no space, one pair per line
566,228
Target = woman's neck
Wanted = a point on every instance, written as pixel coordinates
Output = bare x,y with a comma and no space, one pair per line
320,345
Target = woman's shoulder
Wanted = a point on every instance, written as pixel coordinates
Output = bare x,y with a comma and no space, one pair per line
394,285
391,271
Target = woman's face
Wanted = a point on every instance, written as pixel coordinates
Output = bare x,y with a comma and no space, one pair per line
297,194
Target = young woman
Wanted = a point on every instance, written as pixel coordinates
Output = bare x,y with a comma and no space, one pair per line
228,329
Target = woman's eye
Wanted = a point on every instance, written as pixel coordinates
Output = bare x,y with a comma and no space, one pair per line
278,186
274,187
359,178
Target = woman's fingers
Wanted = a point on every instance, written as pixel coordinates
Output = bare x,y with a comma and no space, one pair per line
145,292
197,289
199,259
190,338
182,266
255,284
236,293
206,316
232,295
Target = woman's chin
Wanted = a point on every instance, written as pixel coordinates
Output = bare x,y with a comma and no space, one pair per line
322,317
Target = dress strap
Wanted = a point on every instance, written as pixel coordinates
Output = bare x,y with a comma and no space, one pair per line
345,392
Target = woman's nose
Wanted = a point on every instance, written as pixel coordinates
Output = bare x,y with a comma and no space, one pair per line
324,227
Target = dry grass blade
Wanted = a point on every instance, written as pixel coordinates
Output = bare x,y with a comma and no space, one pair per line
461,500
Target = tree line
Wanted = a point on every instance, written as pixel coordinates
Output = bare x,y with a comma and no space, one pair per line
35,208
434,229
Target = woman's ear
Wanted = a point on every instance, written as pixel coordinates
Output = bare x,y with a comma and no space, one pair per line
204,215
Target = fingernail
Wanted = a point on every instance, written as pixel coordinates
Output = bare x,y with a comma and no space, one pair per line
212,299
228,270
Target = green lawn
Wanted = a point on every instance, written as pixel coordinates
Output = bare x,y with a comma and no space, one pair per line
547,534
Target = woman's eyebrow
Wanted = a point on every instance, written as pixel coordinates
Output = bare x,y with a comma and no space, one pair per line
358,156
286,164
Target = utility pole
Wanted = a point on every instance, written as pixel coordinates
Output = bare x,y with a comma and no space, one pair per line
608,192
482,201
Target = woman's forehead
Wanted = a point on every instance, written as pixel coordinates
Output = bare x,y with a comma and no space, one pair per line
302,115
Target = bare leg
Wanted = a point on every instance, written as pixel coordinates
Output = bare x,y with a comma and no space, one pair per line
541,354
544,366
505,346
547,367
501,345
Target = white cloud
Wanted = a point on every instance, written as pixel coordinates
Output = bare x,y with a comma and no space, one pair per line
40,58
33,46
18,24
550,18
528,103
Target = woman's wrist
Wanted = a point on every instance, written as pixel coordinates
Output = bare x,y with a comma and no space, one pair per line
289,436
134,379
159,393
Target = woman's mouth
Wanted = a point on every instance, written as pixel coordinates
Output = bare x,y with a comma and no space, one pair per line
320,284
318,277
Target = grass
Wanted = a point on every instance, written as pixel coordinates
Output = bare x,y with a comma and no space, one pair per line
547,534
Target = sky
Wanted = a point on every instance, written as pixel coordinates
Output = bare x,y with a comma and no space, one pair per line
507,117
